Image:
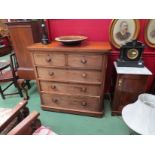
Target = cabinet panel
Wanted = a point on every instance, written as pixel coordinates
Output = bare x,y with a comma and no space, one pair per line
22,35
127,89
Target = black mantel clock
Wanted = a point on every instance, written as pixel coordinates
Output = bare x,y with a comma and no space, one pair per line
131,54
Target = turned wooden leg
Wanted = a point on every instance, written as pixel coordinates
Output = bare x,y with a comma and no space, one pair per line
19,89
28,84
21,83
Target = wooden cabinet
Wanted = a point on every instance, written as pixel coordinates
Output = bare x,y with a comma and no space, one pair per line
129,83
22,35
71,79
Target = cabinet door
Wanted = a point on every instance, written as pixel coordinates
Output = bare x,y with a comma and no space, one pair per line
127,89
22,35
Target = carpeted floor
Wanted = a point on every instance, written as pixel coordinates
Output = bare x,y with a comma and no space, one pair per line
69,124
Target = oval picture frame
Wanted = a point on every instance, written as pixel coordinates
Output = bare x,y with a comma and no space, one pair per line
150,33
123,30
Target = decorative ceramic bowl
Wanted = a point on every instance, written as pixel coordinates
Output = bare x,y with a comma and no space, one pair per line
71,40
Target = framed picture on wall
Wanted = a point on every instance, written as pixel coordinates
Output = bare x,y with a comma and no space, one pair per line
150,33
123,30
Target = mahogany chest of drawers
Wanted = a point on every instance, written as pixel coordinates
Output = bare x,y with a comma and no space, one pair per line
71,79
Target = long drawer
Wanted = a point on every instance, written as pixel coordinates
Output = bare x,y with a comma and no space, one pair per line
85,61
51,59
71,102
69,75
75,89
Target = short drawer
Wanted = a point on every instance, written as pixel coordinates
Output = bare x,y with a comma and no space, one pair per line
49,59
71,102
85,61
69,75
74,89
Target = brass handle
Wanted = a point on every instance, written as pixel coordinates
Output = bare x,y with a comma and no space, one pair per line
83,89
51,73
84,61
55,100
84,103
120,82
48,59
53,86
84,75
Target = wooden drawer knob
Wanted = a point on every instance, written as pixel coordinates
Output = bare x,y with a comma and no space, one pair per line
48,59
51,73
83,61
120,82
55,100
84,89
84,103
84,75
53,87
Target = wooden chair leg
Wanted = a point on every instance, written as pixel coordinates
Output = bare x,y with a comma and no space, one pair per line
28,84
21,83
20,92
19,88
2,94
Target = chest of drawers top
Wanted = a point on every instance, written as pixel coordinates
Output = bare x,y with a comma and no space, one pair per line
90,46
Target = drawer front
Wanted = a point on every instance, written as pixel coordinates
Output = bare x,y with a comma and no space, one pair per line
85,61
69,75
71,102
75,89
49,59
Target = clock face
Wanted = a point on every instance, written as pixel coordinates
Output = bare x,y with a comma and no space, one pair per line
132,54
